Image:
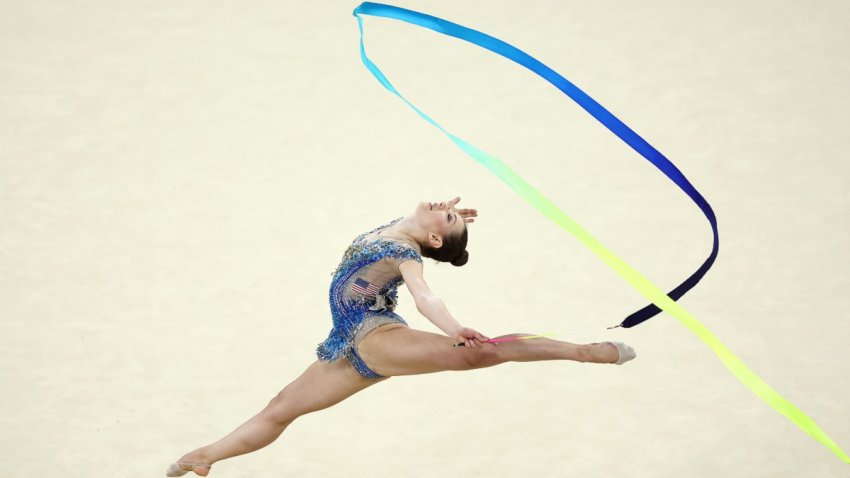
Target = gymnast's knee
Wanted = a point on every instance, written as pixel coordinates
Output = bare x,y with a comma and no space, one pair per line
280,410
485,355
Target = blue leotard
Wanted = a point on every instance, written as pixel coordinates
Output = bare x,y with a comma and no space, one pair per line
363,294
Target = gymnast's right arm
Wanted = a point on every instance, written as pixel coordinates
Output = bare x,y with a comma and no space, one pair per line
432,307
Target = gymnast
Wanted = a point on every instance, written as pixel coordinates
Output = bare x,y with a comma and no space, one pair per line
369,342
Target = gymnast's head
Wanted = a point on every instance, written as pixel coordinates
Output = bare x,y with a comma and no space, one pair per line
446,233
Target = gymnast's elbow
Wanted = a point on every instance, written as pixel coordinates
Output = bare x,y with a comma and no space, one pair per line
426,304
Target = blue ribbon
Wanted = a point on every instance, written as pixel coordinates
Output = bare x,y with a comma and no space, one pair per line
589,104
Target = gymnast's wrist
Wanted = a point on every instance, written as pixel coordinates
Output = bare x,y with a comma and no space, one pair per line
454,332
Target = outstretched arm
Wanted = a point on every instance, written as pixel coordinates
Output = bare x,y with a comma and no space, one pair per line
433,308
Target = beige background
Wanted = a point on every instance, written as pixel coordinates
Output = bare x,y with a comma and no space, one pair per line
179,179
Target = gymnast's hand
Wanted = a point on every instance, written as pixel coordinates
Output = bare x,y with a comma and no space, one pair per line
468,215
470,337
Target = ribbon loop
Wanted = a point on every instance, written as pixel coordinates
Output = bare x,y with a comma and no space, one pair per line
660,300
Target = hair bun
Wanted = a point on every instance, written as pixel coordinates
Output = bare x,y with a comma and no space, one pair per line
461,260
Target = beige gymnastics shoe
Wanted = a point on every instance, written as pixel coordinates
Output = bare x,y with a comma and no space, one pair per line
626,352
181,468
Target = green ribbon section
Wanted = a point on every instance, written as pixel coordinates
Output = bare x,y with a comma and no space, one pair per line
632,276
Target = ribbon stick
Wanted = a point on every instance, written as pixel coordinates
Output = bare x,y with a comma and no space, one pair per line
660,300
507,339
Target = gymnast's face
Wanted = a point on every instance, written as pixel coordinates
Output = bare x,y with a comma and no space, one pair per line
438,219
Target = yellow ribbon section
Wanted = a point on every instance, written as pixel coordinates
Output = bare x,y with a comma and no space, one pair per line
654,294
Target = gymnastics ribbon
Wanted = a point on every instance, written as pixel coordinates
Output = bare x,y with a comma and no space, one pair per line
581,98
659,299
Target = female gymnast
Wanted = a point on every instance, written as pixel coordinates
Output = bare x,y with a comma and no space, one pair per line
369,342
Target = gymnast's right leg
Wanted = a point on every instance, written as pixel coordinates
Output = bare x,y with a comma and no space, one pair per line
394,350
322,385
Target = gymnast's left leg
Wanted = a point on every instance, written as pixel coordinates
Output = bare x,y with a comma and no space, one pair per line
322,385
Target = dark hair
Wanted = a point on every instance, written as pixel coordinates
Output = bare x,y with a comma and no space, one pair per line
453,249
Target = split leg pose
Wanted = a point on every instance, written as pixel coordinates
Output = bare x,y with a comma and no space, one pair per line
379,344
390,350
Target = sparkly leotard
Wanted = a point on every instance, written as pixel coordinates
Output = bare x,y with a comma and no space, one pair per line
363,294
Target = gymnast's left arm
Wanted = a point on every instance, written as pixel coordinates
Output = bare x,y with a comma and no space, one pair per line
433,308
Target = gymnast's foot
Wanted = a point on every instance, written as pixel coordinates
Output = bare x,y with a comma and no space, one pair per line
613,352
194,462
624,352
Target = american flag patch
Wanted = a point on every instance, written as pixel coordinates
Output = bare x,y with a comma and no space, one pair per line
362,287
